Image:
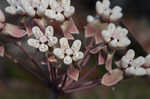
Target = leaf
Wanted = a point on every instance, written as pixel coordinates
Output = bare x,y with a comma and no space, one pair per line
2,51
73,73
14,31
2,17
110,79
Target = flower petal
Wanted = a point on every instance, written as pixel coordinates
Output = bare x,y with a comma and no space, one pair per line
77,56
67,60
52,41
43,48
64,44
59,53
49,31
33,43
37,32
76,45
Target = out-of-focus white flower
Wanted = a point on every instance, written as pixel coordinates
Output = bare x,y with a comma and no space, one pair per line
103,9
133,66
67,53
43,41
90,18
147,60
116,37
53,9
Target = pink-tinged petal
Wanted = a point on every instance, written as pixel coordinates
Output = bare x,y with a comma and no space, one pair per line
118,64
98,37
14,31
101,59
89,31
69,27
108,64
2,16
73,73
2,51
110,79
68,36
96,50
72,28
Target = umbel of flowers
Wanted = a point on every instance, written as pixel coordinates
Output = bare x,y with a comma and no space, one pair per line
65,54
53,9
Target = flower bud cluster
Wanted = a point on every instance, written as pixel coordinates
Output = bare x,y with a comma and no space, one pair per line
103,9
135,66
116,36
53,9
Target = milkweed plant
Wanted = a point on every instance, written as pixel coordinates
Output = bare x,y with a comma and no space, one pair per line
47,26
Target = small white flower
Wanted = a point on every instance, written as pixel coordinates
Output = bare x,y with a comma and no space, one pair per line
133,66
128,58
116,37
147,60
54,9
43,41
103,9
69,54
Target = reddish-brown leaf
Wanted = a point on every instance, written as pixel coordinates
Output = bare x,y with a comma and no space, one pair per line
89,31
2,51
110,79
14,31
73,73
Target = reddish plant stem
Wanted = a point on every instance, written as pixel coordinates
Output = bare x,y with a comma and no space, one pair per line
91,84
64,82
87,51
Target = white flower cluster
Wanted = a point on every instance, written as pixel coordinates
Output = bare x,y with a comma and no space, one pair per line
135,66
69,54
53,9
103,9
43,41
115,36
